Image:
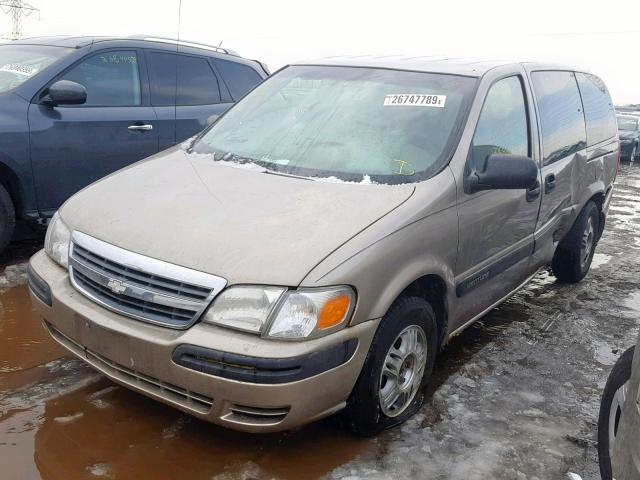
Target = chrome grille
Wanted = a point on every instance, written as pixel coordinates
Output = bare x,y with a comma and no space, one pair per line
140,287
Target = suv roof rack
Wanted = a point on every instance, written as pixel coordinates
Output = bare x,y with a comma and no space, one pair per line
183,43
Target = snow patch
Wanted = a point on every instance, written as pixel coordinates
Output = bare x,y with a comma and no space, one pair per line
366,180
13,276
100,470
69,418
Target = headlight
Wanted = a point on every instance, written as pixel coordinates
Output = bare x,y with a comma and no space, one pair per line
283,314
244,308
56,243
312,313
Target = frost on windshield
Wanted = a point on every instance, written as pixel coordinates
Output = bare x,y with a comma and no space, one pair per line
345,124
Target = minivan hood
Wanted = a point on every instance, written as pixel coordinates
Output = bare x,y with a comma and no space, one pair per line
246,226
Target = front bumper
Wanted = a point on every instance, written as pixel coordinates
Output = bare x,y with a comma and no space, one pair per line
143,357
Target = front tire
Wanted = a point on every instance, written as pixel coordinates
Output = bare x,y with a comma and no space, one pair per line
611,405
396,370
573,257
7,218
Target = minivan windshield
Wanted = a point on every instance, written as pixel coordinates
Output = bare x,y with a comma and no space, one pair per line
20,62
627,123
351,123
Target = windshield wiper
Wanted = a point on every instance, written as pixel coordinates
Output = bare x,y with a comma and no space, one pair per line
282,174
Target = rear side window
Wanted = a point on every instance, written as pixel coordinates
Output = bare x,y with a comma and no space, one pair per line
561,117
111,78
502,127
598,109
197,84
238,77
162,78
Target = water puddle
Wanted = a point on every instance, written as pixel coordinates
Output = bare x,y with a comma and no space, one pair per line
24,344
59,419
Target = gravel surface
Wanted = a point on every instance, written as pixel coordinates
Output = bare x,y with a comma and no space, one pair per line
516,396
525,404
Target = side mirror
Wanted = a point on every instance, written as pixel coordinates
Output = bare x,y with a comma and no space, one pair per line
65,92
502,172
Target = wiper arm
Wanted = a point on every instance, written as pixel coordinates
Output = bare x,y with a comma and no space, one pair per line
282,174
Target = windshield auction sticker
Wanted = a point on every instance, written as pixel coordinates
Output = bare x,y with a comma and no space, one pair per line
18,69
414,100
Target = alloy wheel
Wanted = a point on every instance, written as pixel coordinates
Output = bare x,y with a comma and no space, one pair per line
403,370
587,242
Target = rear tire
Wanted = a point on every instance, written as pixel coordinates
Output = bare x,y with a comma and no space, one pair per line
391,370
610,410
7,218
573,257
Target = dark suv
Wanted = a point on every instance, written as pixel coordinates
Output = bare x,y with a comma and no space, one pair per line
74,109
629,132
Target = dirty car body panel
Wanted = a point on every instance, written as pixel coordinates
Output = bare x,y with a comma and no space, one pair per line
256,222
49,152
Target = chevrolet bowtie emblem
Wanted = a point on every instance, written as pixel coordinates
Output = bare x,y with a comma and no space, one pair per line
116,286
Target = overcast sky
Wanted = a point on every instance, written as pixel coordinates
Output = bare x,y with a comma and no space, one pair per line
603,37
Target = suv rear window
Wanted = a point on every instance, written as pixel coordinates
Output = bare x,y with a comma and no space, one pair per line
238,78
197,84
598,109
162,78
561,118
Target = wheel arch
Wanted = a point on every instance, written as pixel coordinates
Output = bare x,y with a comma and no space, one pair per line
598,198
433,288
9,180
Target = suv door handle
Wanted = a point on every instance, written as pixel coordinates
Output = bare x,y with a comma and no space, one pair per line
550,183
533,192
138,127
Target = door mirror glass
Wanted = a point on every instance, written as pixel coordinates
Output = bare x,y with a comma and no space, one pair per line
505,172
65,92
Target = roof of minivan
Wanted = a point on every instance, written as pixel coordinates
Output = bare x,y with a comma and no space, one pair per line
81,41
473,67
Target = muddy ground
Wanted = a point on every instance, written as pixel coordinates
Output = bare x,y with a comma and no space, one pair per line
515,397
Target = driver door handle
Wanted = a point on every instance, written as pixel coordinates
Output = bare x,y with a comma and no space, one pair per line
533,192
139,127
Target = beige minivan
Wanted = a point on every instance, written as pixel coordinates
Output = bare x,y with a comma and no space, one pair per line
314,249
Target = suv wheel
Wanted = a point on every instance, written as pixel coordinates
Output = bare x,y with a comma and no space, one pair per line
613,399
573,257
7,218
398,365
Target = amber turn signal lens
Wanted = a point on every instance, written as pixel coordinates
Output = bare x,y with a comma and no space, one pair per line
334,312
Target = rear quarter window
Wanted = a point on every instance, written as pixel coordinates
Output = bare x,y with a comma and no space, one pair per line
599,111
197,84
239,78
560,112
